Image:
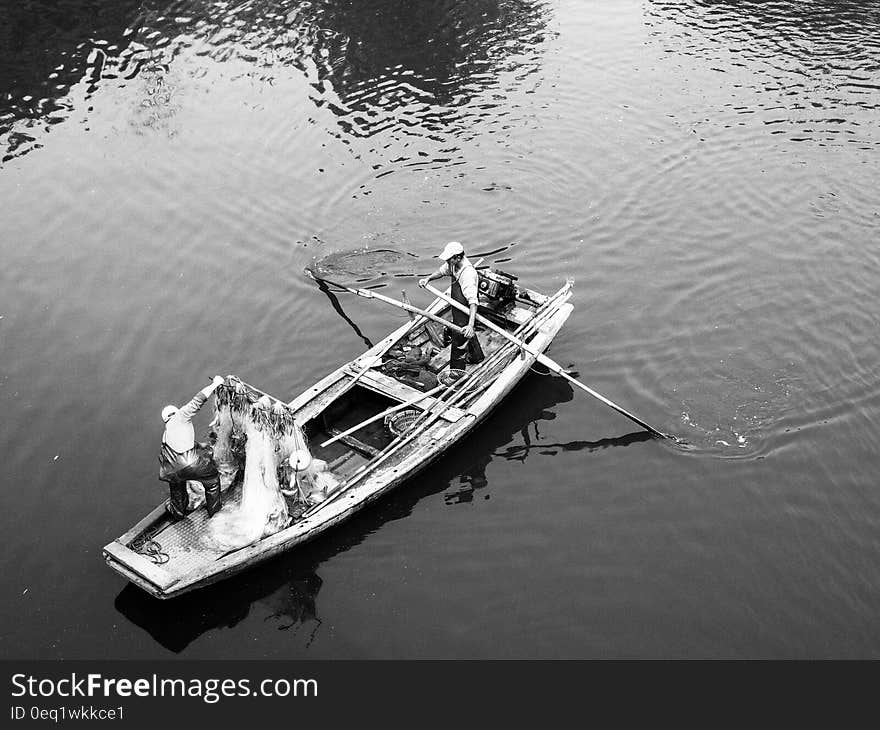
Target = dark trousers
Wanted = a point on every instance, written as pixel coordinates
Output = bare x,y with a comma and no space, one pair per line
203,470
463,351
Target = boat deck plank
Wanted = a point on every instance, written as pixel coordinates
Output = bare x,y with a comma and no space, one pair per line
402,392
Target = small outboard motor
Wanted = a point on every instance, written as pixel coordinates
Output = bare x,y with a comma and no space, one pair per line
498,287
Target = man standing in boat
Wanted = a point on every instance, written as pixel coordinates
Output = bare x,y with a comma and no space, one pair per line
182,458
465,288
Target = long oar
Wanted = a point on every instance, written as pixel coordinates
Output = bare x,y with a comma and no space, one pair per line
367,294
551,364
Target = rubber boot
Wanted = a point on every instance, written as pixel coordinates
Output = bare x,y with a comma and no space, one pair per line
179,499
213,499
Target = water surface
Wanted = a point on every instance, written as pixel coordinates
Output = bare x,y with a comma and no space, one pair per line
705,171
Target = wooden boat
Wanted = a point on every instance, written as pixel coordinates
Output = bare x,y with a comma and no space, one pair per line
167,558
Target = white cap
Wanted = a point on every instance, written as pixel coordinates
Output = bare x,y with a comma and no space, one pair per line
453,248
167,412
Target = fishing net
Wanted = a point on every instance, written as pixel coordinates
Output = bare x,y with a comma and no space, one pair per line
232,406
254,441
362,264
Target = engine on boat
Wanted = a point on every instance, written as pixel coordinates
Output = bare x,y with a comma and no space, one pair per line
497,287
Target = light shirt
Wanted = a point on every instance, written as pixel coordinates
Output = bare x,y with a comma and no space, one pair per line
179,432
467,278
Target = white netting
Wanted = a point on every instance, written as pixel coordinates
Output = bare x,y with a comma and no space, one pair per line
258,437
229,427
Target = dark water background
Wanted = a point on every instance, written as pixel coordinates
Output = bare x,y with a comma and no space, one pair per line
707,172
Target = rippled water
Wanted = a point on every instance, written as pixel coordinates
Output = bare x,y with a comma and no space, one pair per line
705,171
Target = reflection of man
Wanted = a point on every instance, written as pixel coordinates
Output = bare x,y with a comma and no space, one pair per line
182,459
465,287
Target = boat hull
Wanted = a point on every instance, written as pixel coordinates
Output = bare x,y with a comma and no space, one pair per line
424,450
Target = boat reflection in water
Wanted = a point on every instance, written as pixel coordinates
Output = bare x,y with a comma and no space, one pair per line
522,413
287,587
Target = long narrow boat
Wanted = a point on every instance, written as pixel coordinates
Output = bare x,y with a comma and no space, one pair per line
168,558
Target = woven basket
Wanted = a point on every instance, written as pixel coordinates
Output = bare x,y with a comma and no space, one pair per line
399,423
448,377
